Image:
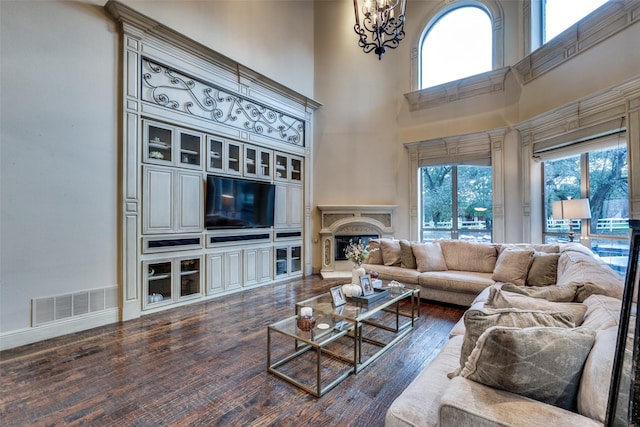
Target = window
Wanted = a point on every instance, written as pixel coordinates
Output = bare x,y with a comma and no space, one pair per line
558,15
602,177
456,45
460,192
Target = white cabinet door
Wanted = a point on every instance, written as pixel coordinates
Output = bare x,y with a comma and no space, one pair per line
281,209
288,209
265,264
172,201
233,269
250,267
215,273
190,205
158,201
295,206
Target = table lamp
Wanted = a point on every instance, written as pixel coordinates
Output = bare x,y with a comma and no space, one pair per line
571,209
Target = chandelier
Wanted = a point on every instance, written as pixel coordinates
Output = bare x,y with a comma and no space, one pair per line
382,26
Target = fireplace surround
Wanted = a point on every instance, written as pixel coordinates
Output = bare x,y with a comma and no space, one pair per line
341,223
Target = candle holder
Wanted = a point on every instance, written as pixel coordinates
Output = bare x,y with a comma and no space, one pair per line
306,323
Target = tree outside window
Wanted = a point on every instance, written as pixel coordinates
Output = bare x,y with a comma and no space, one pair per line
460,192
602,177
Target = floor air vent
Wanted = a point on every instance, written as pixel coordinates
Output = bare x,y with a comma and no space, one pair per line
60,307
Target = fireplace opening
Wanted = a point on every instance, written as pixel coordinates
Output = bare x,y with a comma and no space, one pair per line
341,243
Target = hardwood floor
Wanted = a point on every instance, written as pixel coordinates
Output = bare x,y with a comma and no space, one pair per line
203,364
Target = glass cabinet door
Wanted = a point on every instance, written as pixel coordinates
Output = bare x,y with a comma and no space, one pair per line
190,150
159,282
296,259
281,167
189,277
159,144
215,155
265,164
233,158
281,261
250,161
296,169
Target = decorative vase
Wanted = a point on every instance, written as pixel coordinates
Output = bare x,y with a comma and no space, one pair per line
357,271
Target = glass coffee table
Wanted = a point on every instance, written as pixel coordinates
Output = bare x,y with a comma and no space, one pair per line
370,330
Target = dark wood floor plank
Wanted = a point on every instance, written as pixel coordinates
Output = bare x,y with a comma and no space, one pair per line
203,364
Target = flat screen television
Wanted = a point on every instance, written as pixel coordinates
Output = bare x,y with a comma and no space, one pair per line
238,203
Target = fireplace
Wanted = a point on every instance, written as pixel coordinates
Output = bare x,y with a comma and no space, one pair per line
341,243
342,223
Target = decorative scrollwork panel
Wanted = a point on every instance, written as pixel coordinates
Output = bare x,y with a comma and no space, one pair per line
168,88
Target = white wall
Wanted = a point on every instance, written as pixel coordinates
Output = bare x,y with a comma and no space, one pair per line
59,157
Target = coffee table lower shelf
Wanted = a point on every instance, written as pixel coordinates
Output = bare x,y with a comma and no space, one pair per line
327,363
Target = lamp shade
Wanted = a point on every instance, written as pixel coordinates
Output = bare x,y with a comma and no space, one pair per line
576,209
556,210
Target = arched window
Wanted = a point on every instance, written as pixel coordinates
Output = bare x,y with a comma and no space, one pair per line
558,15
457,44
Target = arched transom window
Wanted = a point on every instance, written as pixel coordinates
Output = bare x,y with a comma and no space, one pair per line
457,44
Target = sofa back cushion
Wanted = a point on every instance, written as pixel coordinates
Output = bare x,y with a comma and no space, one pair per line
468,256
543,270
429,257
503,299
407,259
375,253
512,266
593,276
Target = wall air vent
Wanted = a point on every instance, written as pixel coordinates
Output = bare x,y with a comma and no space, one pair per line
60,307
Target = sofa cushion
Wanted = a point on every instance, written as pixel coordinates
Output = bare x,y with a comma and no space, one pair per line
468,403
456,281
407,259
476,321
419,403
542,363
429,257
596,376
390,252
502,299
375,253
603,312
550,293
512,266
388,272
468,256
593,276
549,248
543,270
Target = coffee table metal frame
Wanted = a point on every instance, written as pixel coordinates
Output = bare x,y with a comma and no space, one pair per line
348,320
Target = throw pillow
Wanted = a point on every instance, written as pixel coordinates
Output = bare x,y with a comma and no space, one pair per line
502,299
390,251
476,321
544,364
550,293
543,270
513,265
375,254
407,259
429,257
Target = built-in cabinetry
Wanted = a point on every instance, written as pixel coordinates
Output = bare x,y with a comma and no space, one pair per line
188,112
174,171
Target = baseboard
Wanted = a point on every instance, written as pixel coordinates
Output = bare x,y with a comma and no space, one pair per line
50,330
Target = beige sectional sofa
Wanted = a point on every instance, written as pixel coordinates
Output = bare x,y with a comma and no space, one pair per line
535,346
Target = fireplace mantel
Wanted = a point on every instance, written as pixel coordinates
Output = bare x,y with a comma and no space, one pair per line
351,220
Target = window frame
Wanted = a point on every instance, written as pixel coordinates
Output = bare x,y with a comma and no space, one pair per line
454,230
496,15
